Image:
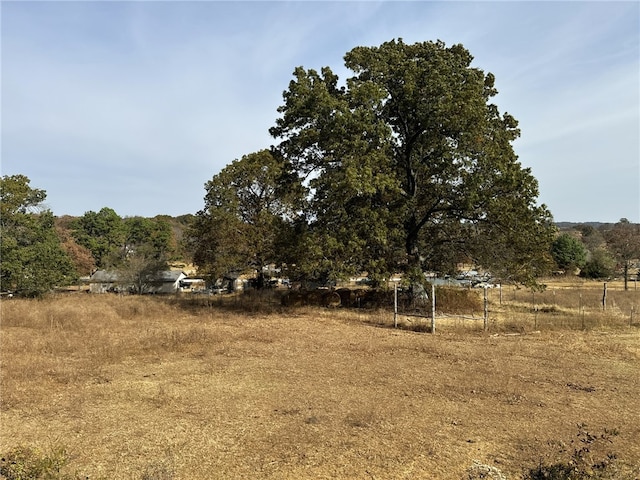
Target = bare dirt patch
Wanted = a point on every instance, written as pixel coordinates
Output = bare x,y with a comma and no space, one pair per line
136,387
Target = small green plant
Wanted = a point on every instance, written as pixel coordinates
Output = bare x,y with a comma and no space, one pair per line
28,463
587,461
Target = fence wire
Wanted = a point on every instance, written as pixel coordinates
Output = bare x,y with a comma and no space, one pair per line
506,308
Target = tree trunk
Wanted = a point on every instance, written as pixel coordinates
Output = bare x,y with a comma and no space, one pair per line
260,279
411,245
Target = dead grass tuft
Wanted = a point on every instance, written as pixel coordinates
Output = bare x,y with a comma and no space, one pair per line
159,470
459,300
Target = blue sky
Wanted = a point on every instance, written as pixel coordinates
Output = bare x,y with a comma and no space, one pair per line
135,105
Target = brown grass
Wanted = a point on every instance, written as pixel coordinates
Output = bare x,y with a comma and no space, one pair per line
159,388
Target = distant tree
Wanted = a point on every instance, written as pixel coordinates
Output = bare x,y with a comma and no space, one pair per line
591,237
153,233
623,240
33,261
142,269
601,265
103,233
17,196
80,256
181,247
137,248
145,253
568,252
175,233
245,209
409,166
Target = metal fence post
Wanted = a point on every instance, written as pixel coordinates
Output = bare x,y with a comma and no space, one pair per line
433,308
395,304
486,309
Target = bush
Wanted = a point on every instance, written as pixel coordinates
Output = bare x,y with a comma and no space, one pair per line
27,463
601,265
568,252
587,460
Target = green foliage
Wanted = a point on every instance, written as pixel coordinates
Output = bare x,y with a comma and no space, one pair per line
601,265
33,261
409,167
153,234
27,463
145,252
568,252
103,233
246,207
136,247
16,196
181,247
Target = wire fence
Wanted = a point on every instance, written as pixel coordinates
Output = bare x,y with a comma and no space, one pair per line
583,305
576,306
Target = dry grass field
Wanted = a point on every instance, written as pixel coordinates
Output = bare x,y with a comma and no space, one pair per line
165,388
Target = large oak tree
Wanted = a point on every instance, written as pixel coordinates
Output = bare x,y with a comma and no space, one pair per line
409,166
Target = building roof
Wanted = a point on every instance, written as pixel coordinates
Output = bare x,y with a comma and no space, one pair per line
105,276
172,275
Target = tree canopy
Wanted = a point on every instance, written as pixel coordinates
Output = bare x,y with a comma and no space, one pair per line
408,166
568,252
137,248
245,213
17,196
103,233
33,261
623,240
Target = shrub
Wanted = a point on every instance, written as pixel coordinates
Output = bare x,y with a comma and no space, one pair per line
27,463
601,265
568,252
587,460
